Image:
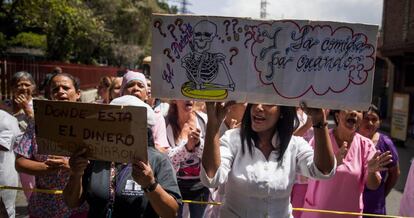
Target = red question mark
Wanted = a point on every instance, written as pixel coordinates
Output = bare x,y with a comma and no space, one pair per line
179,23
235,52
171,28
158,24
167,52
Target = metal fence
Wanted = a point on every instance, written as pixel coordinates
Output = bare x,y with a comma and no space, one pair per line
88,75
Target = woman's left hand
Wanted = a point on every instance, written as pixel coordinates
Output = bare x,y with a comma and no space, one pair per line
142,173
379,162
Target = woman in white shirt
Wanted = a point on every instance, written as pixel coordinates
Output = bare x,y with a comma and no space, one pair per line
259,161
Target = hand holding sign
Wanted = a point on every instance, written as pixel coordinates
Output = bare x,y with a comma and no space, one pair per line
78,162
142,173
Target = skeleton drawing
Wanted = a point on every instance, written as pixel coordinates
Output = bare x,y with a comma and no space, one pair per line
203,67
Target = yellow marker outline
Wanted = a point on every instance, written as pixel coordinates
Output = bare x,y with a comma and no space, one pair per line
208,94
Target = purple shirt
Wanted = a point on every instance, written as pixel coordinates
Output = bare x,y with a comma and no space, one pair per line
374,200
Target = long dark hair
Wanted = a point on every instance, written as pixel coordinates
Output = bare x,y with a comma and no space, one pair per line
285,126
172,119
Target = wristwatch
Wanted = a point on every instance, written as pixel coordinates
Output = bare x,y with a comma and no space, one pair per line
320,125
151,187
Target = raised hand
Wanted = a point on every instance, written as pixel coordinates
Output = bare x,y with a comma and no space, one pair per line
317,115
217,111
142,173
340,155
379,162
193,139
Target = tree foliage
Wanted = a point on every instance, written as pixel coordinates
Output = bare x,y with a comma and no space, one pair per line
29,40
84,31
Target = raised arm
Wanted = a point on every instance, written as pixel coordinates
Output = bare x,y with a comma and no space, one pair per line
323,157
216,113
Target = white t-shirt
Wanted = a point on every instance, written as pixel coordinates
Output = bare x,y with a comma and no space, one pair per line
256,187
9,132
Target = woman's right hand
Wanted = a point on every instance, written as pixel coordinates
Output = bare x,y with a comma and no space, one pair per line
217,111
78,162
193,139
23,103
340,155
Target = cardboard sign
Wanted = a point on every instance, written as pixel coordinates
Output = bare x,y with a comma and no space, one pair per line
399,118
325,64
112,133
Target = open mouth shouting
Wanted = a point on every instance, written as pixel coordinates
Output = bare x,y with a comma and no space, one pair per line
189,105
352,122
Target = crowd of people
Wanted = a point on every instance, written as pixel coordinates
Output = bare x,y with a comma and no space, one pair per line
259,160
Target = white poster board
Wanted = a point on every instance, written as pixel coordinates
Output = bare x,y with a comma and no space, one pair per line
325,64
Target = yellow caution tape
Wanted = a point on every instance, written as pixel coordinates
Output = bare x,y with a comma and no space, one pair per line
56,192
346,213
202,202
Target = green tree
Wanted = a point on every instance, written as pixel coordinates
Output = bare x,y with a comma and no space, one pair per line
84,31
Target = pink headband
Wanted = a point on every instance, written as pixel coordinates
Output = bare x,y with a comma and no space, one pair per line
131,76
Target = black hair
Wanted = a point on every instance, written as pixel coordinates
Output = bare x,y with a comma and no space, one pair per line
334,112
373,108
75,80
172,119
285,126
150,138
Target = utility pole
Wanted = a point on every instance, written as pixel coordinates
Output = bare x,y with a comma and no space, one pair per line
182,6
263,12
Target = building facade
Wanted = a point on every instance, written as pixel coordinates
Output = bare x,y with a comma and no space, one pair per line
397,50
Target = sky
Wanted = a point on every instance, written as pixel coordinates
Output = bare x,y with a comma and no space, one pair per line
351,11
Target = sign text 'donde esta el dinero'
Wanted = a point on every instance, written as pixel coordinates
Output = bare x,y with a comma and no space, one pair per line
112,133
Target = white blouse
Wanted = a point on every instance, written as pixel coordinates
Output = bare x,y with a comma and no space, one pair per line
256,187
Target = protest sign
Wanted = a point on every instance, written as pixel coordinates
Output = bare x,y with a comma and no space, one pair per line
325,64
112,133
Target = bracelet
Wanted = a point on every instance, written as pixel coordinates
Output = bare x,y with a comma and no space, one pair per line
320,125
151,187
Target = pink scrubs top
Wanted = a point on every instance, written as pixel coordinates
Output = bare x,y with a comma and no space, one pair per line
342,192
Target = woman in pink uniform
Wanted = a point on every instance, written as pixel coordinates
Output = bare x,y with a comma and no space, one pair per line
358,165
